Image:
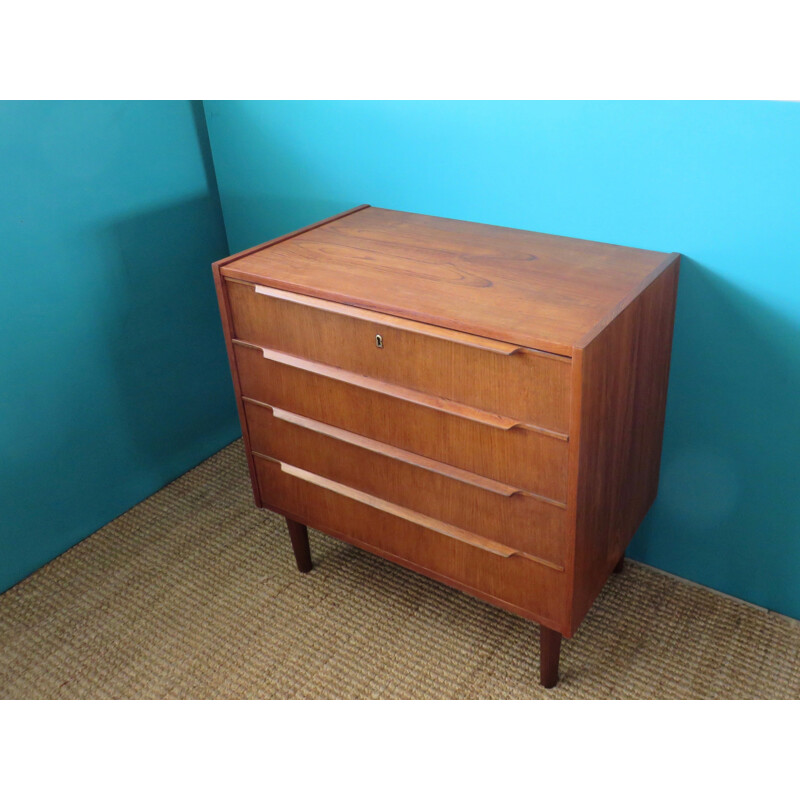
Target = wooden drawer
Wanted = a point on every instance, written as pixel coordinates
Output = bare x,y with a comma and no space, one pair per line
528,385
494,510
486,444
476,566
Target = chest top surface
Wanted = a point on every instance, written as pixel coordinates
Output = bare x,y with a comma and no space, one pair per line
542,291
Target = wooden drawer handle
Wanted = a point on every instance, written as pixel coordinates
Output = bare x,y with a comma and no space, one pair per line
388,321
397,454
400,392
407,514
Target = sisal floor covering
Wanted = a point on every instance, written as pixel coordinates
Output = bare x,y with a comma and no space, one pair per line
194,594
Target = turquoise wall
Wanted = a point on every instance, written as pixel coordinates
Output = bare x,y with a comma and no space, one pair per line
718,182
113,374
113,378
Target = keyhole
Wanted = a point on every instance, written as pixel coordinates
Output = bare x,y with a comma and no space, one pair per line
379,340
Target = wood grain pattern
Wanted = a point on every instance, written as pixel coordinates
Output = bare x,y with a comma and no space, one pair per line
520,457
452,407
512,382
424,521
482,405
375,318
395,453
519,521
522,585
532,289
225,315
625,371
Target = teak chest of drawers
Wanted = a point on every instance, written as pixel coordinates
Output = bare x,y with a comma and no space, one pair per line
480,404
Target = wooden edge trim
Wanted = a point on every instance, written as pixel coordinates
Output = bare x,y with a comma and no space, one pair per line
236,256
407,514
379,318
405,456
573,475
226,319
667,262
400,392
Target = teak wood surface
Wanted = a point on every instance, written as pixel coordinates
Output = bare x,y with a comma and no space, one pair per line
480,404
519,456
545,292
503,513
526,385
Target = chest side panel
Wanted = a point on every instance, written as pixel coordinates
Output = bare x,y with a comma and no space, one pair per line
624,375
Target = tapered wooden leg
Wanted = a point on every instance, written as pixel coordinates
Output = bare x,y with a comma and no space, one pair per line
302,551
620,564
549,651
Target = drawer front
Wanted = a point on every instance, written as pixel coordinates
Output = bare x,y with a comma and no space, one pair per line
496,511
518,456
527,385
531,588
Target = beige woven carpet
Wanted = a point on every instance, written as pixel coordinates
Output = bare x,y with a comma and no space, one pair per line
194,593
